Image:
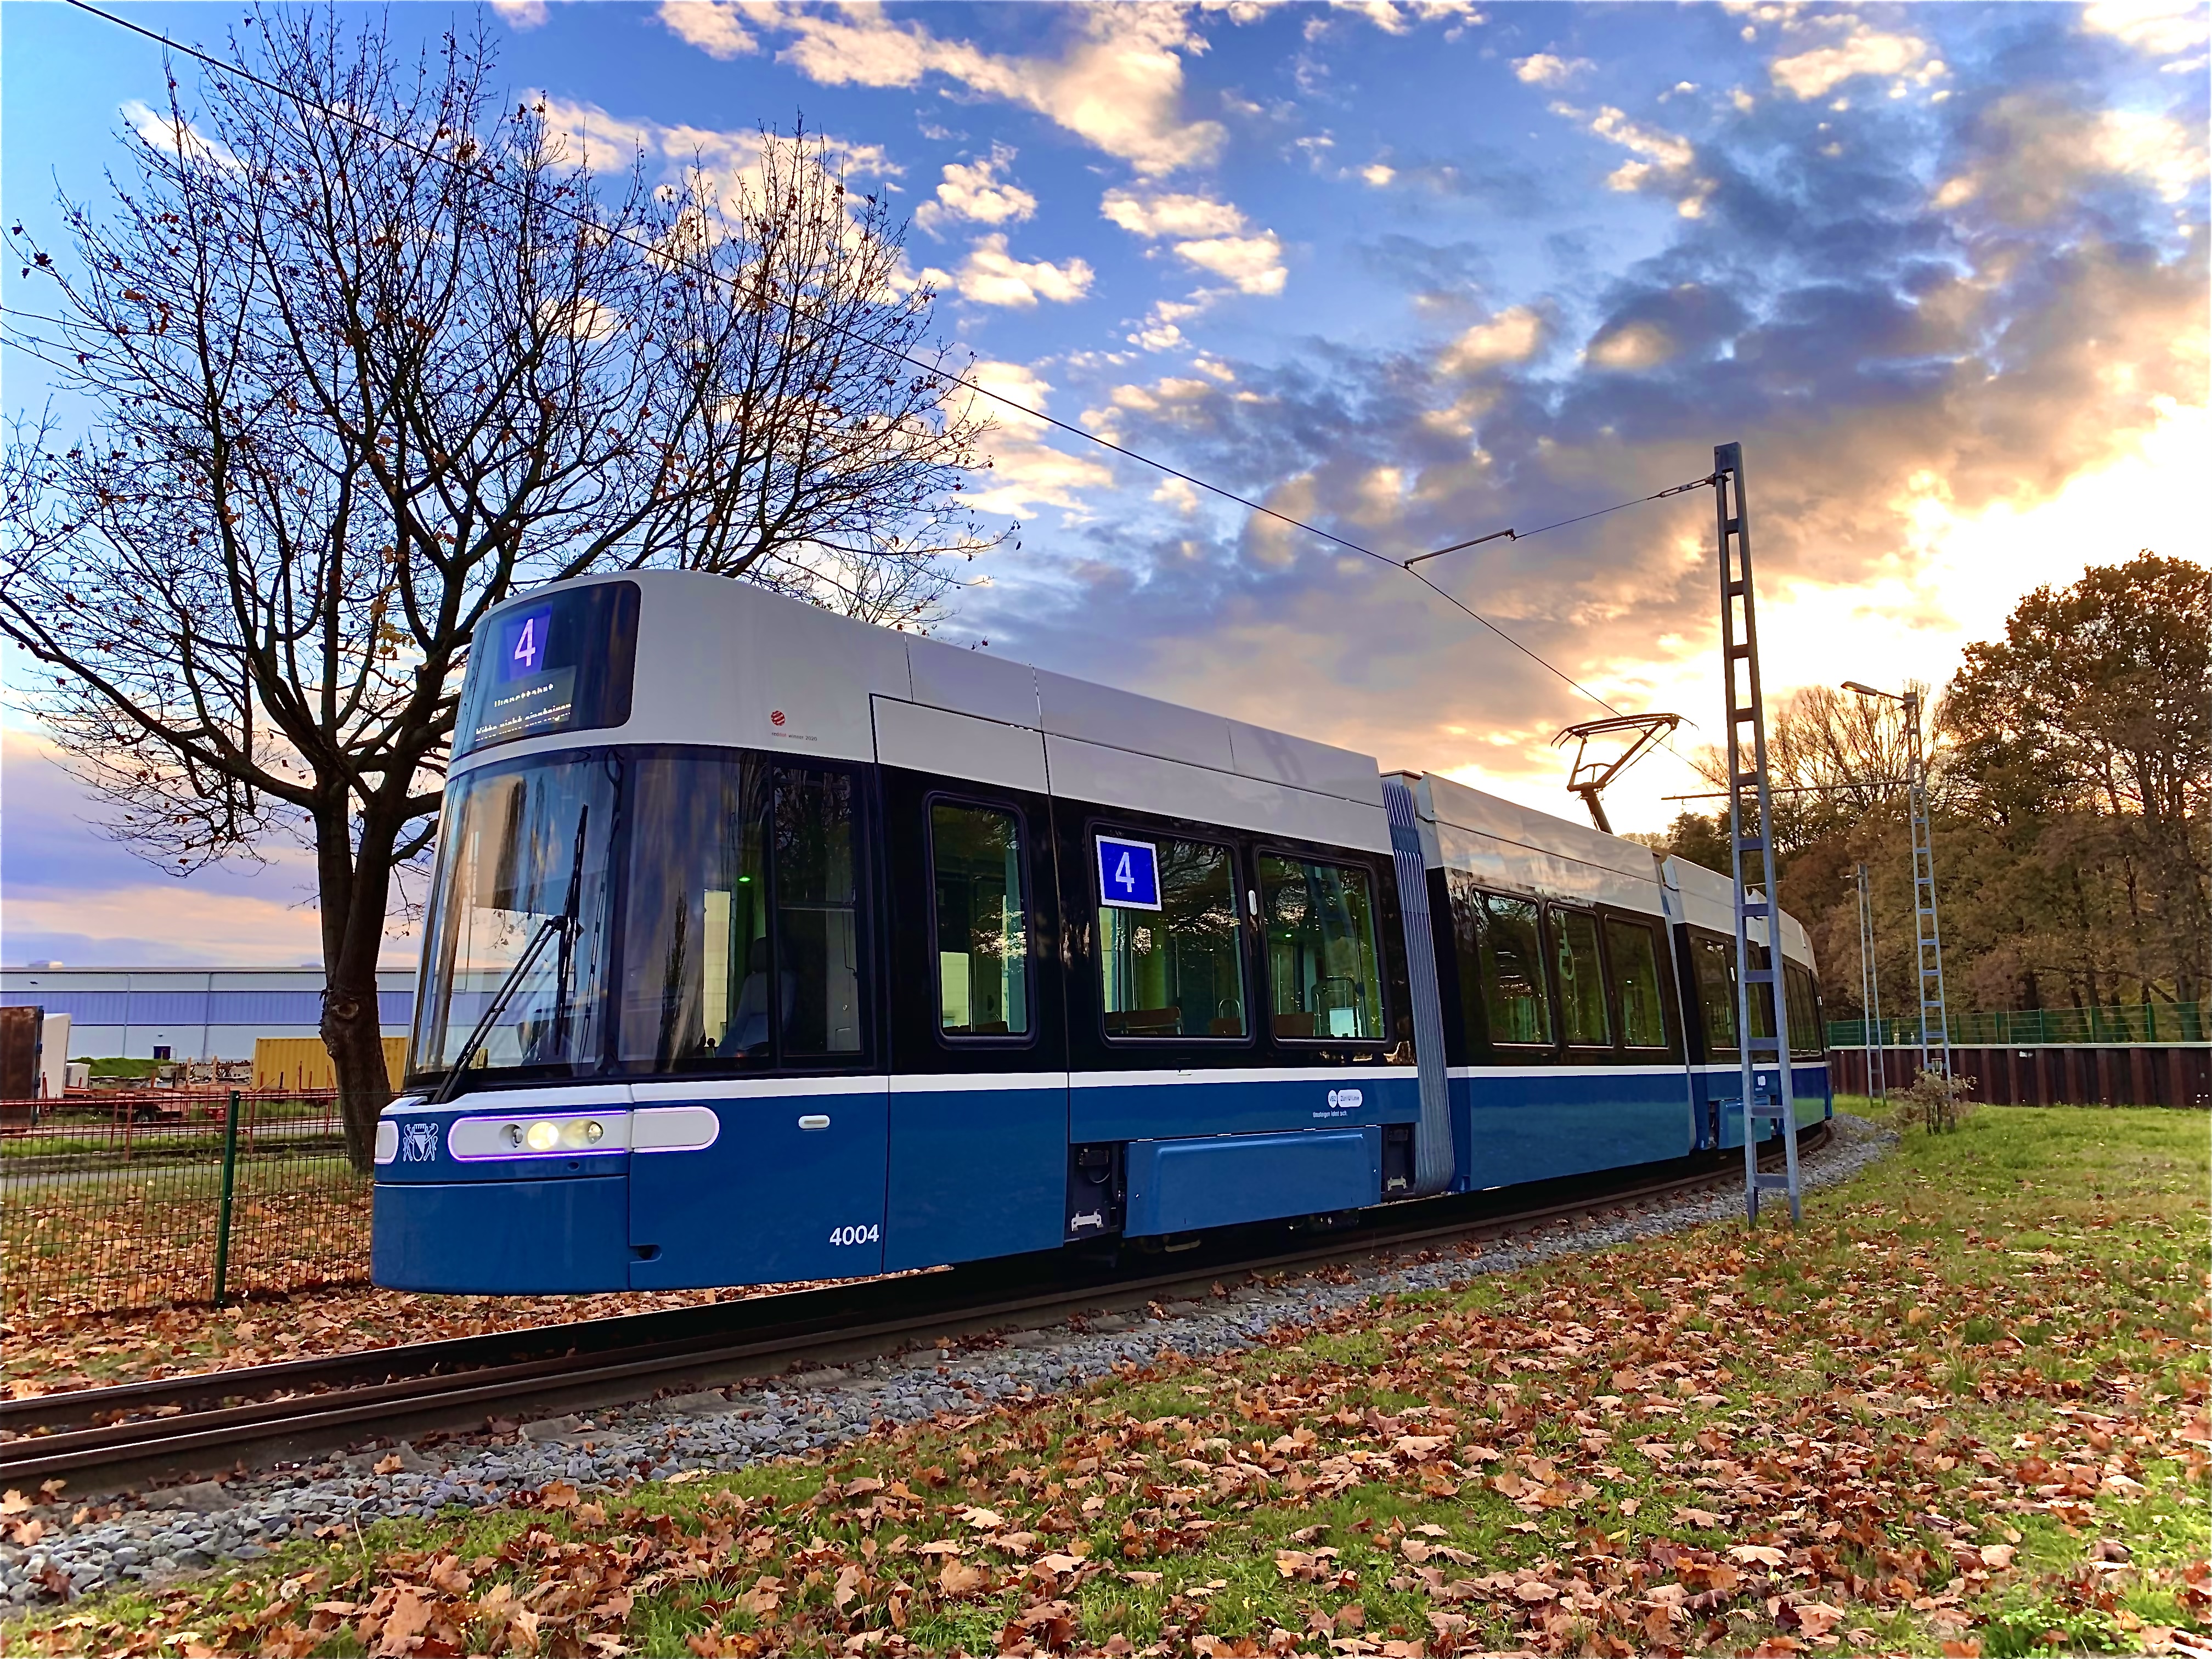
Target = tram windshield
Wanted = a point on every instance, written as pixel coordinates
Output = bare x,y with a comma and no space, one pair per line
518,927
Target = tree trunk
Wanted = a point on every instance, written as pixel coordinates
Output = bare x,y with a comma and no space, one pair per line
354,881
355,1036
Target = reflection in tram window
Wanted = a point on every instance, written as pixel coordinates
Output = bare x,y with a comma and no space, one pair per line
740,944
982,945
1806,1037
1716,964
1515,1001
1322,968
1636,983
1177,971
1582,981
695,981
522,874
817,935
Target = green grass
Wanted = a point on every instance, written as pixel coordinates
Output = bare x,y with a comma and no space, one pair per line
1927,1415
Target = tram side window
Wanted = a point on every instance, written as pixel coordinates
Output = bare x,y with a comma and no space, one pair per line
1516,1002
1177,971
1635,964
1581,979
741,941
1324,976
1716,966
696,933
982,939
1762,997
1806,1037
817,904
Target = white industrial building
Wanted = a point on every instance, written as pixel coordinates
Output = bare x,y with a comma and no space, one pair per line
190,1013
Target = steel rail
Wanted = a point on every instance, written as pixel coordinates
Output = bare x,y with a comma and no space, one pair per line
421,1383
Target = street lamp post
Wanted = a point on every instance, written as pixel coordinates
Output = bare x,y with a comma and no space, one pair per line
1927,927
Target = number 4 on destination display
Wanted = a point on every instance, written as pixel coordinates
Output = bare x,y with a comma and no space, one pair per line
1128,873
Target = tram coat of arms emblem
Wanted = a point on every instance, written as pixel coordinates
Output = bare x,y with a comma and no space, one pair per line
418,1142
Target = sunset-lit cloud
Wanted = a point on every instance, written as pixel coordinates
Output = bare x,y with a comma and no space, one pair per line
1416,274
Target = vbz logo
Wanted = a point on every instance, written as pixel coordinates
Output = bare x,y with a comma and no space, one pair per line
418,1142
1344,1100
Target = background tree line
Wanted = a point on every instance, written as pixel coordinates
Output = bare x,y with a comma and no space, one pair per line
2071,798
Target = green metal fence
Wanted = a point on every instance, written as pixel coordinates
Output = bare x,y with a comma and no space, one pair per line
2149,1022
139,1198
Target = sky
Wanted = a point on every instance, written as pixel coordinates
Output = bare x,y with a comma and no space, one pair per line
1414,271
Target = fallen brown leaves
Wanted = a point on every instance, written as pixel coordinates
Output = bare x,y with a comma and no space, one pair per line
1700,1444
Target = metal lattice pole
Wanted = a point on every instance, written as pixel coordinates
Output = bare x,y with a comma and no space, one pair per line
1927,927
1870,996
1751,831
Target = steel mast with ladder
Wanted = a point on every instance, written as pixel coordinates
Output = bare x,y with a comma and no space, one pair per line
1927,928
1870,996
1750,834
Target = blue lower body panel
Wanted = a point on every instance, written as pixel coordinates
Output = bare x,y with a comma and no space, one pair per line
503,1237
1183,1186
793,1187
1514,1127
975,1173
1815,1099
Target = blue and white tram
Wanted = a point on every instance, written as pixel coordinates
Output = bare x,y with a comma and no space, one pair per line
767,945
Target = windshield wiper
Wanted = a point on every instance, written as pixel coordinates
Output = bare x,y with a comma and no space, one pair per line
565,924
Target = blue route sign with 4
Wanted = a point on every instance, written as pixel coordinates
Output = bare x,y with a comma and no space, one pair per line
522,643
1128,873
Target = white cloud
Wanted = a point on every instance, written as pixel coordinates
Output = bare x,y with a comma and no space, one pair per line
1544,70
165,131
717,30
1177,493
1159,330
2038,153
1868,51
1254,264
1119,84
2162,27
1638,346
1665,164
1399,16
1511,337
978,190
1154,215
992,277
2153,148
1210,235
520,14
1025,475
1378,173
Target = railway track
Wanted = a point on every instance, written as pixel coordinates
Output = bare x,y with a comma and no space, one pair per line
175,1426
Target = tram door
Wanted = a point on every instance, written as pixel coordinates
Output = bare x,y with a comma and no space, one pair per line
978,1120
759,966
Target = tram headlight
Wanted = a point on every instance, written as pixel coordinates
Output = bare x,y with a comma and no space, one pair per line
575,1134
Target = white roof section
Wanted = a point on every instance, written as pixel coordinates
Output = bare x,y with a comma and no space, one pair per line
1706,898
1512,848
726,665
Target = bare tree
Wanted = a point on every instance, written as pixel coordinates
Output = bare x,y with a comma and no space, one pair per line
367,353
1835,759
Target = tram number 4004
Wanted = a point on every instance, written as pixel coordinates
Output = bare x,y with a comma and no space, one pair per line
868,1235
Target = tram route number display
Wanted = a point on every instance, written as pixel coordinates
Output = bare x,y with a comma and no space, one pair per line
1128,873
530,696
862,1234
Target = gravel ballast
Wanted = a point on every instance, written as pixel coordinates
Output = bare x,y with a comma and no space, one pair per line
158,1534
